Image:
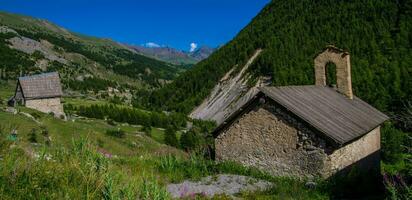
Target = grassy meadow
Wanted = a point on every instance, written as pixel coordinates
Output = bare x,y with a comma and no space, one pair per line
78,159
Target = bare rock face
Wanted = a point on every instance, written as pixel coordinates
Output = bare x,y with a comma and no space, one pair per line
29,46
5,29
229,94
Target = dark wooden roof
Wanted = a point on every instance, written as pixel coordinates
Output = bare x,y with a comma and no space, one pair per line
46,85
331,113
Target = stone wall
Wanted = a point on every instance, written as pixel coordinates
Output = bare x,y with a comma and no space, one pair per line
270,139
273,140
366,146
46,105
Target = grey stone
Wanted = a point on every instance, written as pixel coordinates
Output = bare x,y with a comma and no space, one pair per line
215,185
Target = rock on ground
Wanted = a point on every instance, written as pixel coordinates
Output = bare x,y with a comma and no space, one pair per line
220,184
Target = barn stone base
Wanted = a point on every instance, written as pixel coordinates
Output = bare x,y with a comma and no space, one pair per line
51,105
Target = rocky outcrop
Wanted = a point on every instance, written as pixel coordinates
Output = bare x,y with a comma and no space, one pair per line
30,46
216,185
5,29
229,94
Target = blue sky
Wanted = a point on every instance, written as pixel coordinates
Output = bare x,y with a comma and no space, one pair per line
175,23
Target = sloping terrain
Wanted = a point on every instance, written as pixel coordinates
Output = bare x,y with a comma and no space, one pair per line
231,92
377,34
29,45
166,54
174,56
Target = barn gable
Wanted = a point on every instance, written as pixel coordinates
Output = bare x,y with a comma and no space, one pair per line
39,86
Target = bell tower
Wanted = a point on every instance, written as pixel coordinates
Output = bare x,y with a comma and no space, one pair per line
343,69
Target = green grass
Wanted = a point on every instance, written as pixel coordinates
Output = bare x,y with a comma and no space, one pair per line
6,89
83,101
138,166
62,132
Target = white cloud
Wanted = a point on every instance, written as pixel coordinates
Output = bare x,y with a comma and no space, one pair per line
193,46
152,45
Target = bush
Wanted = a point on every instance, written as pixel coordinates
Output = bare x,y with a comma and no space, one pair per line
33,136
392,142
195,141
148,130
111,122
116,133
171,138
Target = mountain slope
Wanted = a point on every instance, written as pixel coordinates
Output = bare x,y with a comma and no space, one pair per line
376,33
174,56
202,53
31,45
166,54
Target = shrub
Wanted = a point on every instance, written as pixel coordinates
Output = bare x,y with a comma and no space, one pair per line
111,122
33,136
171,138
116,133
396,187
148,130
192,140
392,142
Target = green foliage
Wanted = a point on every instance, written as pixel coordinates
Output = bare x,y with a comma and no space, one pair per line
116,133
192,141
150,189
13,62
396,187
37,55
178,169
141,67
147,129
33,136
93,84
76,173
392,143
198,139
170,137
291,33
129,115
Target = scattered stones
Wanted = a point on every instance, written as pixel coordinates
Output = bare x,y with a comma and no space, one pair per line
215,185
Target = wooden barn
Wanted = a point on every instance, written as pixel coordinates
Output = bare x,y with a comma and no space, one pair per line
312,130
41,92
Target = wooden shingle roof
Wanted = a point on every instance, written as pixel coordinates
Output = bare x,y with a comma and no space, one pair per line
331,113
46,85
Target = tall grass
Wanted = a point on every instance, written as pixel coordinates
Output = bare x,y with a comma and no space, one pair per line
177,169
76,173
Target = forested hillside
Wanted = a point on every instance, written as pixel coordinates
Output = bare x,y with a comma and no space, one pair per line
29,45
378,35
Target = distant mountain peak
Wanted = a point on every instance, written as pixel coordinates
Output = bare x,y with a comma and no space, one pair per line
172,55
